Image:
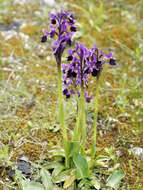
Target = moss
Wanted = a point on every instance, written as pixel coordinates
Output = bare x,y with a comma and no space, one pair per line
37,139
30,30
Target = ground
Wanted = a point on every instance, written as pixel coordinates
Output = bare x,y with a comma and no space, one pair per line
28,82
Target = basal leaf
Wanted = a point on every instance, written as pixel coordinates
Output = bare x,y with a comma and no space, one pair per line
57,152
46,179
95,182
57,170
72,148
81,165
32,185
63,176
102,161
82,183
52,165
69,181
115,178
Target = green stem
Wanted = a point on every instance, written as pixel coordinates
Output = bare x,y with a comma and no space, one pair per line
96,111
77,129
61,112
95,125
83,121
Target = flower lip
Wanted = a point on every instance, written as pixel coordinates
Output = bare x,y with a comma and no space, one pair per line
65,91
74,74
98,62
43,38
53,21
52,34
69,58
95,72
73,29
67,96
73,64
69,73
88,99
112,61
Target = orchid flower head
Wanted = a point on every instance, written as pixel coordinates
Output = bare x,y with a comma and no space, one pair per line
61,29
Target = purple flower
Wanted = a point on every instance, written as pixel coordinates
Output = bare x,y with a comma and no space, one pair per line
73,29
112,61
61,27
70,57
65,91
44,38
83,62
75,72
88,99
53,21
98,58
95,72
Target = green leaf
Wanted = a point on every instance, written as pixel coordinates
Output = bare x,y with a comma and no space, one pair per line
81,165
52,165
57,170
57,152
32,185
115,178
69,181
63,176
102,161
85,184
73,148
82,183
46,179
103,158
95,182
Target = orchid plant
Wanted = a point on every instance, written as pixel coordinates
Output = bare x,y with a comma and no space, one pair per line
73,79
62,27
84,62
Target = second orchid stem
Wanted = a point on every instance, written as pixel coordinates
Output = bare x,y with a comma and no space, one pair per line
77,129
93,149
83,121
61,113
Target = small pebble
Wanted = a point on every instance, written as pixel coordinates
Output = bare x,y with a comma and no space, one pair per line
24,167
137,151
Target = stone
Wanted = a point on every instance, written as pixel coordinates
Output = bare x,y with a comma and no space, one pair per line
137,151
23,166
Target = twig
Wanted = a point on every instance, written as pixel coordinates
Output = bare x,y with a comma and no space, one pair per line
6,184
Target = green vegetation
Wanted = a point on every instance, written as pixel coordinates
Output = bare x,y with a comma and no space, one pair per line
28,93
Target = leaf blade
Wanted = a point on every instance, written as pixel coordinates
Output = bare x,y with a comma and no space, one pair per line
46,179
32,185
82,165
115,178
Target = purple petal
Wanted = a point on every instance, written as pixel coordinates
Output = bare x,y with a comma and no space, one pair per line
43,38
45,32
112,61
